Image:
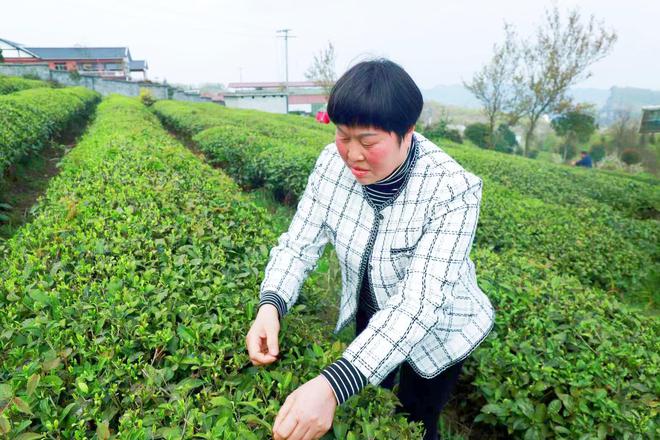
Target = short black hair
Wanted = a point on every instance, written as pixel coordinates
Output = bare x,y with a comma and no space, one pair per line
376,93
584,152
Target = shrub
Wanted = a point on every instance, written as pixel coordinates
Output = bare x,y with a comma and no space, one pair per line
597,152
440,130
553,246
505,139
30,118
12,84
146,97
126,302
478,134
631,156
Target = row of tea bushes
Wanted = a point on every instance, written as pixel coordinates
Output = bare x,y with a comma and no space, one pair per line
191,118
31,118
572,239
561,184
598,246
10,84
566,358
564,361
256,148
127,299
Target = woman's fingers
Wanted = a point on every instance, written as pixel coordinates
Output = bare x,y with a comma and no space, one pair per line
272,343
257,349
300,432
284,422
262,339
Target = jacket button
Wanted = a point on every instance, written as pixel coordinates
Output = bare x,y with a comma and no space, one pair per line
371,266
381,216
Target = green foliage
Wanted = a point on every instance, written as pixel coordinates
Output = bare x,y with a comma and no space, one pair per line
505,139
29,118
637,198
555,248
590,242
567,150
256,148
631,156
74,75
146,97
126,302
597,152
440,130
478,134
574,125
564,360
10,84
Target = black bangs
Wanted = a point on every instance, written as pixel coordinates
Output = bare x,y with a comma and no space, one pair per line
378,93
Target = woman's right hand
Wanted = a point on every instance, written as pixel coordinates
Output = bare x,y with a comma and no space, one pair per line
262,339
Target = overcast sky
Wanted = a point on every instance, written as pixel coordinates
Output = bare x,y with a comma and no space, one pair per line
437,42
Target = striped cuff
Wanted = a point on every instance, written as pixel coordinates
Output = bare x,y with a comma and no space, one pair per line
345,379
274,299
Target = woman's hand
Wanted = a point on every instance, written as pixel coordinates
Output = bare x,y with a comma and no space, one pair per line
307,413
261,340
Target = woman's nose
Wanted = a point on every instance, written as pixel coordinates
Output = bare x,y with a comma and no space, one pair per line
354,154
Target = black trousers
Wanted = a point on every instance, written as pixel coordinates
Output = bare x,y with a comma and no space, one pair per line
422,399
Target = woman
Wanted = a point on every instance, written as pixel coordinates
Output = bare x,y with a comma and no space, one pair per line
401,215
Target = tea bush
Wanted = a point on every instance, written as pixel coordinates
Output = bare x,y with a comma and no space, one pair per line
562,184
10,84
127,299
564,361
30,118
566,358
572,238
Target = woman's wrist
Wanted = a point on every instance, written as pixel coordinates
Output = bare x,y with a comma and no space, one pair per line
269,311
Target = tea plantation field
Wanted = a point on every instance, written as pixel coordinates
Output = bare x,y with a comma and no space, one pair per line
126,300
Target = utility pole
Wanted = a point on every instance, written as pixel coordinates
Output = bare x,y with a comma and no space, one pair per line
286,37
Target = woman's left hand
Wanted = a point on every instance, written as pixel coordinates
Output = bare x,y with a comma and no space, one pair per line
307,413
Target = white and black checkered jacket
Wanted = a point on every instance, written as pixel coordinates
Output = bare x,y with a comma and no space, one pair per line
431,312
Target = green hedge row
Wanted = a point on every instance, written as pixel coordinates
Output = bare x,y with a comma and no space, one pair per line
127,299
599,246
256,148
564,361
562,184
571,239
30,118
546,371
10,84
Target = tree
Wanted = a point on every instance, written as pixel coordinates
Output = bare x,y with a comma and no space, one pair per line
322,70
597,152
575,125
2,58
478,134
557,58
505,139
492,84
623,131
631,156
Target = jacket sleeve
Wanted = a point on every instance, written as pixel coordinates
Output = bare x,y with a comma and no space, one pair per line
422,299
298,249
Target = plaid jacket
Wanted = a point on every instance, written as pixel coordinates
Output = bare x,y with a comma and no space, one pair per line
431,312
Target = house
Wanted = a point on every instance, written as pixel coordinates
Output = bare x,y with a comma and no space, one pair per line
650,119
104,62
302,96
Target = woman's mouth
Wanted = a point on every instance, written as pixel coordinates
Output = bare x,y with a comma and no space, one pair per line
358,172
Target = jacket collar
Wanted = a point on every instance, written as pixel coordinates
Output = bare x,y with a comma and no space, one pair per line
415,153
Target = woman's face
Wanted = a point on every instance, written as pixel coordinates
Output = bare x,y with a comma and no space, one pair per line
371,153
